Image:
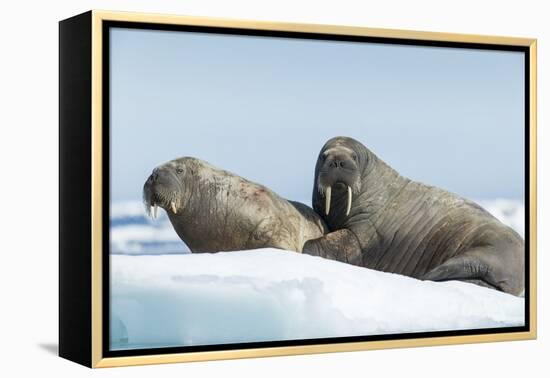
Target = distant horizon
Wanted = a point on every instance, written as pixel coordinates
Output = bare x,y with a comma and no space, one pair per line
262,108
134,232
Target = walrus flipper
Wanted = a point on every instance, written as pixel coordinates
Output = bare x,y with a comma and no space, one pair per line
341,245
473,267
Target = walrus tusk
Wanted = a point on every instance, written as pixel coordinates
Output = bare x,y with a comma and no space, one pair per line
349,201
173,206
155,207
328,194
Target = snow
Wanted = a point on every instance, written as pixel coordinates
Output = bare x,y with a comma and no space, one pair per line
269,294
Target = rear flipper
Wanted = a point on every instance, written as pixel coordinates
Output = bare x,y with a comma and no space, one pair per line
341,245
479,283
481,266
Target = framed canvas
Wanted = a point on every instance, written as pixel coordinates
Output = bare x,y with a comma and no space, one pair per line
235,189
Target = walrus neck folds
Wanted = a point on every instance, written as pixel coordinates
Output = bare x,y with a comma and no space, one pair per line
380,184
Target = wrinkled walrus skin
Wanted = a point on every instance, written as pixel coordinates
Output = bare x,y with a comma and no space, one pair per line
213,210
381,220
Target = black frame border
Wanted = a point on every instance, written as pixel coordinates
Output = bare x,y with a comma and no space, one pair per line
75,196
106,169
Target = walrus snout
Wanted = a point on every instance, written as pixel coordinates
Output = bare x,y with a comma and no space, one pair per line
339,170
163,188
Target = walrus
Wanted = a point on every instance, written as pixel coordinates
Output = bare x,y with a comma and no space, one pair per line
381,220
213,210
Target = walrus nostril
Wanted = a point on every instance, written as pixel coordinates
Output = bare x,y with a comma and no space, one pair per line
337,164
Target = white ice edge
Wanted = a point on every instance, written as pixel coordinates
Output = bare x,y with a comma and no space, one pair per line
269,294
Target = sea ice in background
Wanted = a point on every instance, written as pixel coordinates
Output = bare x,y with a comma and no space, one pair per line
509,212
133,233
269,294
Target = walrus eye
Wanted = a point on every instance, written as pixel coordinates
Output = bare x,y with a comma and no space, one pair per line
179,170
354,157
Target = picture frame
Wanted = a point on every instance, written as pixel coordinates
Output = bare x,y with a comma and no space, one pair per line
85,167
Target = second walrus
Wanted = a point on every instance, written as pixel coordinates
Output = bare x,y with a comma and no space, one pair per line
384,221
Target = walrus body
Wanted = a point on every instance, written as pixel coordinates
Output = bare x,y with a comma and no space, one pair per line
213,210
381,220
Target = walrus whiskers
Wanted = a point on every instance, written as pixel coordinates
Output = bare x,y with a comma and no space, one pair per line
165,199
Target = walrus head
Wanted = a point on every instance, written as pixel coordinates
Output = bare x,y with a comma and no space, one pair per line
338,172
165,188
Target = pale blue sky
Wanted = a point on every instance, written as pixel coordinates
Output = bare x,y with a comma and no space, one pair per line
263,107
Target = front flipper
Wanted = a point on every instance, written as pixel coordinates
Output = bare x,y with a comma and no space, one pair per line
341,245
